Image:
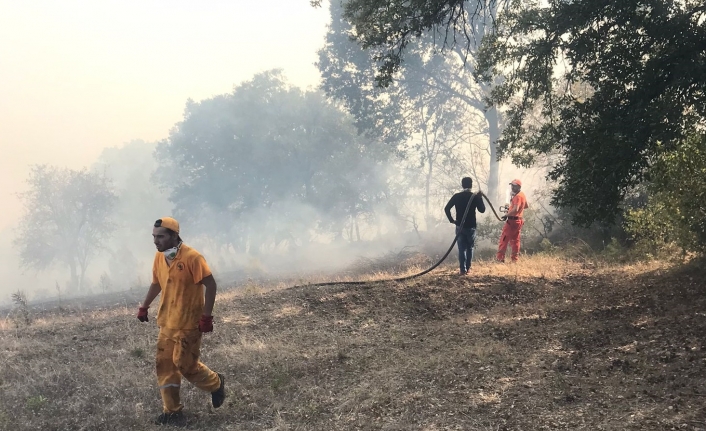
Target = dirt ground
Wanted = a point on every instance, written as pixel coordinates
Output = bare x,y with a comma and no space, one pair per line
546,344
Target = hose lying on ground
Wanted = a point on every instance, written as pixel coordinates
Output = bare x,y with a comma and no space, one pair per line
408,277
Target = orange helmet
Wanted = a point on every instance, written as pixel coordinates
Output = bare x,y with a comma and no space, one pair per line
516,182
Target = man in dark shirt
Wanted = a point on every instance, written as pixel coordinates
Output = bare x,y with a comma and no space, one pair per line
466,233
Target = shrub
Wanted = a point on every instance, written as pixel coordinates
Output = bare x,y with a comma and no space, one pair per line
675,212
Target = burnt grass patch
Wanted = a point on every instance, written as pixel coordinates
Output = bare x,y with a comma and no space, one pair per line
610,349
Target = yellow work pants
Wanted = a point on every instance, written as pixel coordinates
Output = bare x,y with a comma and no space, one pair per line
177,356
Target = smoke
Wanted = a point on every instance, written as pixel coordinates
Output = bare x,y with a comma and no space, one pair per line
262,217
288,238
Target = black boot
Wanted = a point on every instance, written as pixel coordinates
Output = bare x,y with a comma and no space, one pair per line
176,419
218,396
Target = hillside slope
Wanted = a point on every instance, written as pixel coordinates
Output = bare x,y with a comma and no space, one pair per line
543,345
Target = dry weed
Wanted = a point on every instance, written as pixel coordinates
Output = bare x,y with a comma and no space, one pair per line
542,344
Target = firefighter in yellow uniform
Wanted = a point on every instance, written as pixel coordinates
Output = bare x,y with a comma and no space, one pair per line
180,273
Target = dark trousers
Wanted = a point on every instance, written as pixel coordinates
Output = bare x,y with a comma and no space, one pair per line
466,241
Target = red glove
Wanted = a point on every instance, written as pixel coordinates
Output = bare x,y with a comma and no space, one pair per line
206,323
142,314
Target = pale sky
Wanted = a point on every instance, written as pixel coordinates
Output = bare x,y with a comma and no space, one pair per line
77,76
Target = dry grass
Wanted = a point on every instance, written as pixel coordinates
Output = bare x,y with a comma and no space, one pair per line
544,344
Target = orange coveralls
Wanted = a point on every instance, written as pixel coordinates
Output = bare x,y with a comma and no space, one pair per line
511,230
179,340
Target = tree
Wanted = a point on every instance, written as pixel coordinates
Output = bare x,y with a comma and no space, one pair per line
67,219
269,164
391,26
643,61
434,87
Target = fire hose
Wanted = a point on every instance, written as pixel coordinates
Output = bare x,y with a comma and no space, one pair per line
419,274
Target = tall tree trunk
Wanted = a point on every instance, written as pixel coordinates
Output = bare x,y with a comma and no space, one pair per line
82,276
428,152
350,228
491,115
427,198
357,229
74,275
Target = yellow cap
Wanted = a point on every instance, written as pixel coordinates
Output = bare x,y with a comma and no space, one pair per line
168,223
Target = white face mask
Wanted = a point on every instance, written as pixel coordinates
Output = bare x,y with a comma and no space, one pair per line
171,253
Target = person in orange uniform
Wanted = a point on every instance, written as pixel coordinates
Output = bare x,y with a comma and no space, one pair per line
180,273
513,223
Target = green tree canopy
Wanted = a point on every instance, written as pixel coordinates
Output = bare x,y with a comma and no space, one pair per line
644,65
639,63
269,163
434,107
389,26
